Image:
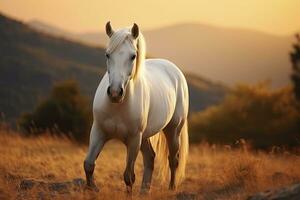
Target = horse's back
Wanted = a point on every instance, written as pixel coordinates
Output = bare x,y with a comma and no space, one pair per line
164,67
166,74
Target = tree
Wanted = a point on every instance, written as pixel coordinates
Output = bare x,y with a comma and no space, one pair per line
65,111
295,59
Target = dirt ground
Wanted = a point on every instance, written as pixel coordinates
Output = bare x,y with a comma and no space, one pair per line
45,168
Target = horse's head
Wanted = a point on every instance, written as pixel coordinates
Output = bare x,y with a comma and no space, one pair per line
121,55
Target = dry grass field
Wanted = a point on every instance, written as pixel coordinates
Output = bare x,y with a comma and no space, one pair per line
212,172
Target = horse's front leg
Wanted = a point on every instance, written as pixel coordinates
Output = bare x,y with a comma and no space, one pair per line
97,141
133,144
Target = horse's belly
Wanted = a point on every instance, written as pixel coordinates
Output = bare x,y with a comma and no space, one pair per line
157,121
151,131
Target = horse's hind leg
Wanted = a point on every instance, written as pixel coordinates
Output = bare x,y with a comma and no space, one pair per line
97,141
172,132
148,159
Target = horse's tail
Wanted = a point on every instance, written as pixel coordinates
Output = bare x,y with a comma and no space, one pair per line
160,147
183,152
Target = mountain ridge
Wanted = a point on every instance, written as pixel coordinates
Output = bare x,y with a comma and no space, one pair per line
227,54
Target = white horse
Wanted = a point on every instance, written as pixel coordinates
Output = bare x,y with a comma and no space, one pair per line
142,102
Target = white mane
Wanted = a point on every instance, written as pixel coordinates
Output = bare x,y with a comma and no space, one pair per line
120,36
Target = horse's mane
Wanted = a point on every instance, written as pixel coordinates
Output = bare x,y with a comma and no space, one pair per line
121,36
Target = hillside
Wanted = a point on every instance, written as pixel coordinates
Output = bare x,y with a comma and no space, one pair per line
31,62
92,39
224,54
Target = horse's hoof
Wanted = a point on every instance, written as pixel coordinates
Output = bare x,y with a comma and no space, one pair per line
93,188
172,187
144,191
129,190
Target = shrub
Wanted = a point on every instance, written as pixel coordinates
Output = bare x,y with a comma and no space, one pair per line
255,113
65,111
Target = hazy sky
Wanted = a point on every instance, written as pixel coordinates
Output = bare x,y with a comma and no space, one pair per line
273,16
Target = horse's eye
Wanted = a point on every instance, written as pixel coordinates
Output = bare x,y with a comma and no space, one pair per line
107,55
133,57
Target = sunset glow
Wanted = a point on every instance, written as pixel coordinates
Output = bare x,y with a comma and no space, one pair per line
273,16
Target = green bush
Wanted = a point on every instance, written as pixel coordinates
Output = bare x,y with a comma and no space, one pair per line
255,113
65,111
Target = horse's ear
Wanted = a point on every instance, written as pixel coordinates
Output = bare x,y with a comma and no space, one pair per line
108,29
135,31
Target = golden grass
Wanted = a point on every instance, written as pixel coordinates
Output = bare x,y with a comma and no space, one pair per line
212,172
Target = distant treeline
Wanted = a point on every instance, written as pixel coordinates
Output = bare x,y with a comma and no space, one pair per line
262,117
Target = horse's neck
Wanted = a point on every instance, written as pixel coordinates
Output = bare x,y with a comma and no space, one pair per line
136,85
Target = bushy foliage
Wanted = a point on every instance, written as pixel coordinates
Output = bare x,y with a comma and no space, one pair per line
255,113
295,59
65,111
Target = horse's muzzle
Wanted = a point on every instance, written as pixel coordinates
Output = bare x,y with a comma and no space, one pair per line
115,95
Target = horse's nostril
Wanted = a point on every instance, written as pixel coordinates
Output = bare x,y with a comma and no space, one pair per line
108,91
121,92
